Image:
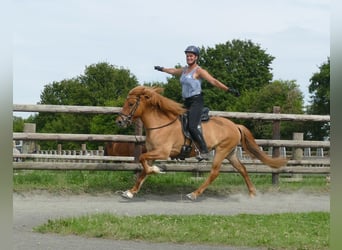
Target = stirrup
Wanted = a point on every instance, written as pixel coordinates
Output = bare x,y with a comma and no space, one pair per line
203,156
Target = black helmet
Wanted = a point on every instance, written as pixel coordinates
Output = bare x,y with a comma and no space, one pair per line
192,49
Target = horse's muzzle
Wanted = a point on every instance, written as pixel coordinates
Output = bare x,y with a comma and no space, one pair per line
123,121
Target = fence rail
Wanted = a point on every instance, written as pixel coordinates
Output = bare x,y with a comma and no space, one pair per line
116,110
141,139
314,165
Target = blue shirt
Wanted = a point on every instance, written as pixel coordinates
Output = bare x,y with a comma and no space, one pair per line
190,85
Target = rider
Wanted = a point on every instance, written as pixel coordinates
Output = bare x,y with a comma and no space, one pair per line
191,79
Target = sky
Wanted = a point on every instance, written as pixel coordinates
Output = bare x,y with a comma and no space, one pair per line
56,40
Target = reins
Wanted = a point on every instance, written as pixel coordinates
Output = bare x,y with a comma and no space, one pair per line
162,126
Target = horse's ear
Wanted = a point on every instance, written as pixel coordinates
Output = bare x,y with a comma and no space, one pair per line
158,90
146,93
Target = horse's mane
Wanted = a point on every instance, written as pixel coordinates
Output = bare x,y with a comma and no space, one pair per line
152,96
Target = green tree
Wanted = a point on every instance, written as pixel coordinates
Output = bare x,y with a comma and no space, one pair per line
319,89
18,124
239,64
101,84
285,94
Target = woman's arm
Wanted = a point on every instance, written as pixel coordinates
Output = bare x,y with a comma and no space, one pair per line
172,71
202,73
205,75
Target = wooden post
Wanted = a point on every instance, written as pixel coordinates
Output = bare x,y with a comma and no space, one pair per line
83,149
100,151
138,147
29,146
276,136
297,154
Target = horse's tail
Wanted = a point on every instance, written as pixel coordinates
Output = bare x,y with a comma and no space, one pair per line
251,147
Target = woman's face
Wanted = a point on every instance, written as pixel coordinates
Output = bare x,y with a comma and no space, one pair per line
190,58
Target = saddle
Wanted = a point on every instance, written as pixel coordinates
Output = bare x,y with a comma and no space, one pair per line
186,149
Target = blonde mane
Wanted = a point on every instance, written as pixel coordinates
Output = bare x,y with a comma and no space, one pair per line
152,96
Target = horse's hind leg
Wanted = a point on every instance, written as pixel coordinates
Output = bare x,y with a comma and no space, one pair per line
236,163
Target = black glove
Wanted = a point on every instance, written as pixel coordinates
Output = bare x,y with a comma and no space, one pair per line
235,92
158,68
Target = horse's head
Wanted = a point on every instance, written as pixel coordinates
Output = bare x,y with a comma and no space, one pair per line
128,112
141,100
132,106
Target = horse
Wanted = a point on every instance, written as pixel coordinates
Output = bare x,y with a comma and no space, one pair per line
165,138
121,149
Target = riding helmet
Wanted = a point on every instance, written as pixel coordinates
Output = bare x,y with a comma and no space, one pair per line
192,49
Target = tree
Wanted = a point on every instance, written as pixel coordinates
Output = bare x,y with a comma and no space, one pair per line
101,84
18,124
285,94
319,89
239,64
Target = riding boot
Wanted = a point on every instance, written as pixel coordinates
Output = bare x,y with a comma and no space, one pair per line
199,139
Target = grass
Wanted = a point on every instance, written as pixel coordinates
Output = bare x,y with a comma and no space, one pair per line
275,231
76,182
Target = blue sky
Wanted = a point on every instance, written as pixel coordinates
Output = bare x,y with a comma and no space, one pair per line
56,40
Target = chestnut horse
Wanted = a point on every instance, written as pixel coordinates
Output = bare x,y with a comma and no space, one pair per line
121,149
164,137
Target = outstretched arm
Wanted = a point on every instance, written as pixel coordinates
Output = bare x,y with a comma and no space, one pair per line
172,71
205,75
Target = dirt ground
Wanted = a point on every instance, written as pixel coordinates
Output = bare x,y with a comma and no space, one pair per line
32,209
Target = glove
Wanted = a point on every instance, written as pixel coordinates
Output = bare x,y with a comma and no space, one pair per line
235,92
158,68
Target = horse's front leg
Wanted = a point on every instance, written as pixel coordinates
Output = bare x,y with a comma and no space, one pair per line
147,170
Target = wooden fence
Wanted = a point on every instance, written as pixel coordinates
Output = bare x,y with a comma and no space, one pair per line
298,161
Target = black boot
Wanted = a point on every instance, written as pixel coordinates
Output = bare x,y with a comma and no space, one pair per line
200,142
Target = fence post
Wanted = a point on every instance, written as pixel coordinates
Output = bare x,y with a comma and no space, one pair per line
59,149
137,147
84,149
29,146
297,154
276,136
100,151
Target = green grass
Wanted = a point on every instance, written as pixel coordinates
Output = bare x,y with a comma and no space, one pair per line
276,231
109,181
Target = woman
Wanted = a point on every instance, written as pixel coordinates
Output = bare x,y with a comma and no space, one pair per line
191,81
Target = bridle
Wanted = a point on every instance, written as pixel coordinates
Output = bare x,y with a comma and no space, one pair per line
128,119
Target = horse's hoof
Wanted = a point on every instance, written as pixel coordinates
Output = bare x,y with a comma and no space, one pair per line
127,194
252,194
191,196
157,170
